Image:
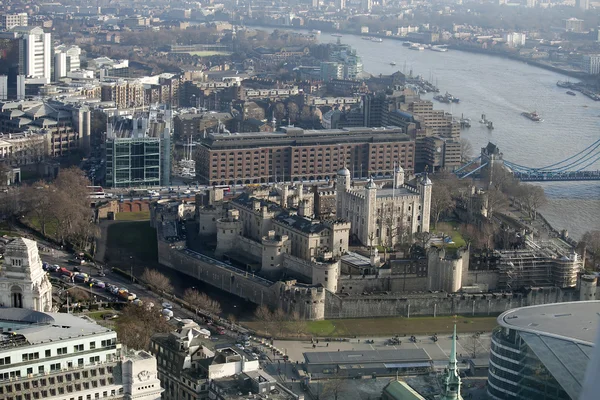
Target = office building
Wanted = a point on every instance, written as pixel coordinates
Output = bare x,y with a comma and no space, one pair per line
515,39
295,154
64,357
441,153
591,64
138,149
25,283
541,352
574,25
331,70
3,87
35,51
66,60
8,21
583,4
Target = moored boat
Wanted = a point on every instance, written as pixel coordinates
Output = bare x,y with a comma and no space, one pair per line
571,93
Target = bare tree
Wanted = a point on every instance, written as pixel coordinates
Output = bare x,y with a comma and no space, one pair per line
422,238
296,325
532,197
441,201
293,111
495,201
137,325
335,387
265,316
466,150
590,242
154,278
280,319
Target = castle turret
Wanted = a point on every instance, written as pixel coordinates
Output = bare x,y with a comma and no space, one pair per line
426,188
587,289
274,247
285,192
229,230
370,204
342,184
399,177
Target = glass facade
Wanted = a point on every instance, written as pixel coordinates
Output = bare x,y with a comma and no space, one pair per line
133,162
530,366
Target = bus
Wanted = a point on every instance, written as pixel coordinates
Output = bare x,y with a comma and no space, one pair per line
96,192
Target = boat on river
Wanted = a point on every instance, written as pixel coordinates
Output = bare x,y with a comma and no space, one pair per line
376,40
571,93
534,116
416,46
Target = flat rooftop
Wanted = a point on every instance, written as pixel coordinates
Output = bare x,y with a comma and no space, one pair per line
40,327
367,356
576,321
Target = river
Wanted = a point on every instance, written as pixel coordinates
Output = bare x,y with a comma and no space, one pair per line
502,89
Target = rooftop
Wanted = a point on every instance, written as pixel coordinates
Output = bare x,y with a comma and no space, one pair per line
301,224
40,327
367,356
577,321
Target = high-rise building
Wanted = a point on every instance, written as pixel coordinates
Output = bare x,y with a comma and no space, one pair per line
64,357
331,70
66,59
34,51
367,5
574,25
8,21
138,150
583,4
341,4
3,87
591,64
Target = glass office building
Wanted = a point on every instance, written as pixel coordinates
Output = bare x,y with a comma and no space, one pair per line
541,352
138,150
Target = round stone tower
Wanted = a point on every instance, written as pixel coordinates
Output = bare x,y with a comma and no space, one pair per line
229,230
274,247
327,274
587,290
342,184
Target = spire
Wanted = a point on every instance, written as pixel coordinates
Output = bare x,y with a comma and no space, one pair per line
453,350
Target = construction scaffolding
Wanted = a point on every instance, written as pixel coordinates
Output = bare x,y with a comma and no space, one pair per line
542,263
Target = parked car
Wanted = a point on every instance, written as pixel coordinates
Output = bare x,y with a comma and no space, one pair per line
99,284
81,277
167,313
76,269
167,305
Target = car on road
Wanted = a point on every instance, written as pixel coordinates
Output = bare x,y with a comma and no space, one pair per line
109,288
114,290
239,346
167,306
81,277
187,191
109,316
76,269
167,313
64,271
98,284
101,273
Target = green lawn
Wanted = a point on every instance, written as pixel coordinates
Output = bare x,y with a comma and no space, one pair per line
450,229
400,326
363,327
34,222
131,240
133,216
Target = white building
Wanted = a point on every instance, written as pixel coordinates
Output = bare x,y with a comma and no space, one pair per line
63,357
23,282
8,21
591,64
515,39
383,216
66,60
34,51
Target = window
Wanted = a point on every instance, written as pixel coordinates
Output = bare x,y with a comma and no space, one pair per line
78,347
92,345
29,371
61,351
4,361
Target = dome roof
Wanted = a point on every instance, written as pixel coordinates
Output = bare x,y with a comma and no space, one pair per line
426,181
371,184
344,172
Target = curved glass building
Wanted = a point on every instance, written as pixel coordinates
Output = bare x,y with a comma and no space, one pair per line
541,352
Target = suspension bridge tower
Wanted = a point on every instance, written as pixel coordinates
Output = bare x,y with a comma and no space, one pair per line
491,157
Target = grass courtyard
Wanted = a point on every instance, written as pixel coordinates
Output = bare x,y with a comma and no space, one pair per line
364,327
133,216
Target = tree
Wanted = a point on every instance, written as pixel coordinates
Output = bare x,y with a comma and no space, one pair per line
334,387
293,111
200,301
590,242
265,316
441,201
495,201
39,203
154,278
138,324
422,238
466,150
279,111
532,197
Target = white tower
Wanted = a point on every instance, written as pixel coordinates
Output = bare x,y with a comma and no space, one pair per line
426,187
342,184
25,283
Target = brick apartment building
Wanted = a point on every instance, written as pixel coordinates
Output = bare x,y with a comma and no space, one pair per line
295,154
